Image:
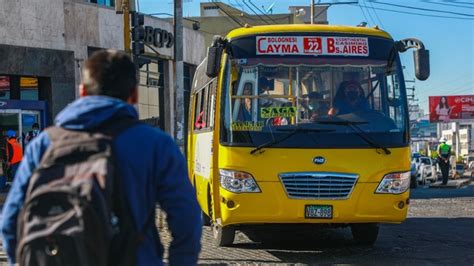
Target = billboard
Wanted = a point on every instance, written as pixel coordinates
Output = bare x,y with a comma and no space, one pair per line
451,108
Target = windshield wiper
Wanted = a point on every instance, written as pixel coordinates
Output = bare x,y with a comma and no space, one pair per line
354,125
287,136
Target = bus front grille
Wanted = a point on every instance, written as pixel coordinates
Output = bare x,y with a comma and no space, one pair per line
318,185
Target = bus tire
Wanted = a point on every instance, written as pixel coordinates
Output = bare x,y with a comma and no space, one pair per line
223,236
365,234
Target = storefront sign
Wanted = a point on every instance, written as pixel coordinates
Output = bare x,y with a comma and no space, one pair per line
158,37
312,45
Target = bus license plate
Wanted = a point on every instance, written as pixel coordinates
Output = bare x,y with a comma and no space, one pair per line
318,211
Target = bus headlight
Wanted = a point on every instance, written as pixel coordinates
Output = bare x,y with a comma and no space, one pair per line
394,183
238,182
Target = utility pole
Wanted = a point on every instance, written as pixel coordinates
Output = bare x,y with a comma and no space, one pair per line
312,12
178,74
126,25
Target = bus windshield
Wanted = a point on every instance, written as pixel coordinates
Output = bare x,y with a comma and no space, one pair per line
266,97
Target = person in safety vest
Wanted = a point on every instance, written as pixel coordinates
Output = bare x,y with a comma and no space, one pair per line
444,153
14,152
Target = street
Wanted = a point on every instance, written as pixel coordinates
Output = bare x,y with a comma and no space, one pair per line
439,230
268,115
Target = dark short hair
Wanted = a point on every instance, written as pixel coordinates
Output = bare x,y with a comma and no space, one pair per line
110,73
35,125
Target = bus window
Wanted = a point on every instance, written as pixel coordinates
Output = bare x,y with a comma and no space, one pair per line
198,111
204,112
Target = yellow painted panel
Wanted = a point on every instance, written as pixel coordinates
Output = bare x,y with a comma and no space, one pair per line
273,206
265,166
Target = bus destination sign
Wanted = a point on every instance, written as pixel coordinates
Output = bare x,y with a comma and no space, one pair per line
312,45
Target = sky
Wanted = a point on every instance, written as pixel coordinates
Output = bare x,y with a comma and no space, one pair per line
450,40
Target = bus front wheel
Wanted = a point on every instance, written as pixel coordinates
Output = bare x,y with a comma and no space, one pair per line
365,234
223,236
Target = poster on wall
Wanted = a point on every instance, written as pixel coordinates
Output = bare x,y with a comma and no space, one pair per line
451,108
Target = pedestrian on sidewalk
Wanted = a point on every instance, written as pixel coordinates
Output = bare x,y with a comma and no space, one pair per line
14,153
444,153
35,130
149,163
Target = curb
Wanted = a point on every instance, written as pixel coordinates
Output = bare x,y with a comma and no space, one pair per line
453,184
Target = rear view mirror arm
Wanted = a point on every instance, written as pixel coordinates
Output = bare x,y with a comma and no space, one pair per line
421,56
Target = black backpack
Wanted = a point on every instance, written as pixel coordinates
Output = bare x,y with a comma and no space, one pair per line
75,211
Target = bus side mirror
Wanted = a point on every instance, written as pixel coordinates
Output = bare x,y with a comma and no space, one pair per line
421,59
213,61
421,56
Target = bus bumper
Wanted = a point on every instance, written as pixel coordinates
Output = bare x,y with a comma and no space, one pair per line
272,205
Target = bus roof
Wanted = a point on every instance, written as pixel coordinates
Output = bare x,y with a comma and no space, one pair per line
255,30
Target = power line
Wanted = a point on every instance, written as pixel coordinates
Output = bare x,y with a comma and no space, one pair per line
452,81
446,4
465,3
262,11
375,11
453,89
366,19
236,3
225,12
370,15
418,14
451,92
251,9
424,9
286,17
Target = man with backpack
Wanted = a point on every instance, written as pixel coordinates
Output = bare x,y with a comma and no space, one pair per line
86,190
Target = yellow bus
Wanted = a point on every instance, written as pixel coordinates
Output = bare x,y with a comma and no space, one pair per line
307,125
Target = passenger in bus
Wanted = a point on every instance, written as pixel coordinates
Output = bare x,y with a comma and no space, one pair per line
265,85
245,113
316,106
200,123
349,98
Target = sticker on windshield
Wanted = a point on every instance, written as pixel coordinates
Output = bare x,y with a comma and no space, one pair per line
312,45
247,126
272,112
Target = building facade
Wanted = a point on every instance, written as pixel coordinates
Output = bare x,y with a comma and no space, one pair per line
466,143
218,18
43,45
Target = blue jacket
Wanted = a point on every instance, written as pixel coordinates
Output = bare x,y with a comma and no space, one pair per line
154,171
